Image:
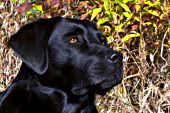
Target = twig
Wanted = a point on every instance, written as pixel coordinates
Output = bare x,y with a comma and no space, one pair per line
144,100
134,61
162,47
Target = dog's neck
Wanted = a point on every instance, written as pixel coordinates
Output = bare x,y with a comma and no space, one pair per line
25,73
83,102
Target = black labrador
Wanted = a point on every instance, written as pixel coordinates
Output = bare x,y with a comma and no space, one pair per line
65,63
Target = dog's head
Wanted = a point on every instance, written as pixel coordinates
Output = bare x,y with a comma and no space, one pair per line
67,53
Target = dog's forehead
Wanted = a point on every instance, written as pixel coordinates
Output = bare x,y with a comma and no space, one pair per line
72,24
87,29
84,23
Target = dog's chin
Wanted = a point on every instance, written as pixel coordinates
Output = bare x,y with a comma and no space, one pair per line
106,85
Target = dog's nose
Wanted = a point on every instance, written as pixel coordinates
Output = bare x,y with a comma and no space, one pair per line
114,58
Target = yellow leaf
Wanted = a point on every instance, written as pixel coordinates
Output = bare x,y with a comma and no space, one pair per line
153,12
102,21
129,36
137,19
110,39
148,23
137,7
96,11
169,41
38,7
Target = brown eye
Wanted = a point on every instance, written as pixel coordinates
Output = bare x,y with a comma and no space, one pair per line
74,40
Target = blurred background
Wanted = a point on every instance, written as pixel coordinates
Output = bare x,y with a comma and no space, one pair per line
139,29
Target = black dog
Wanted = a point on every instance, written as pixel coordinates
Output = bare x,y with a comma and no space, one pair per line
65,63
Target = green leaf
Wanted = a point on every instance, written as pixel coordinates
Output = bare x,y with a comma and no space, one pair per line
38,8
153,12
169,41
96,11
106,5
108,8
137,6
14,1
35,9
118,28
22,1
110,39
129,36
148,23
123,5
102,21
126,1
136,18
148,2
128,15
155,25
29,13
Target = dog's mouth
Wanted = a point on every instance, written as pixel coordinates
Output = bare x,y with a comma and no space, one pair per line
104,81
105,86
108,83
101,86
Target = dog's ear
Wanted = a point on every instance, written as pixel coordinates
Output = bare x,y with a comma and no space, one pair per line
30,43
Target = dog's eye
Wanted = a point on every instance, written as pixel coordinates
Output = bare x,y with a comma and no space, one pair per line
74,40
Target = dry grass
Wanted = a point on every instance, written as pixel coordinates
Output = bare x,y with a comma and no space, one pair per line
144,89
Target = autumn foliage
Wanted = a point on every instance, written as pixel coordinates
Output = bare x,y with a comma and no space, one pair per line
140,29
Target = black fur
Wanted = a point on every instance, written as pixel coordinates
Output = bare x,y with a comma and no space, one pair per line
58,76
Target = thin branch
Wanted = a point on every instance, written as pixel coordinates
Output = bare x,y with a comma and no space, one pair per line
162,49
